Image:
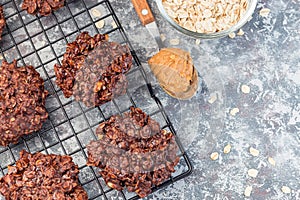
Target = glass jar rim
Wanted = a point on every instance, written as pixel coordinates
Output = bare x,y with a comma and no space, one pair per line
246,17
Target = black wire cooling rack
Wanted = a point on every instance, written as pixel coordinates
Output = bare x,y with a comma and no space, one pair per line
41,42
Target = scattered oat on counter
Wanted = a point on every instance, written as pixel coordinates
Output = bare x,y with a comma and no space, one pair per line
174,41
227,148
253,152
271,161
264,12
248,191
252,173
240,32
286,189
163,37
212,98
234,111
197,41
214,156
114,25
245,89
100,24
231,35
96,12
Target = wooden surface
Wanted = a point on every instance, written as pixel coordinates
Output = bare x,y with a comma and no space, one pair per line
143,10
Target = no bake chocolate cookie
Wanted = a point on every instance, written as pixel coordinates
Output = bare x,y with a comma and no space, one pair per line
133,152
40,176
22,102
44,7
93,69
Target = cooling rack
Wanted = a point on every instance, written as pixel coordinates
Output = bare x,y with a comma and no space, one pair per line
41,42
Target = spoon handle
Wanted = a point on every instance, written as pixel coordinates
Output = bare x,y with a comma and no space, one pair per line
143,10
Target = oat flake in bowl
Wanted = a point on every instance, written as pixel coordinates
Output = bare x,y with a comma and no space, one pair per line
207,18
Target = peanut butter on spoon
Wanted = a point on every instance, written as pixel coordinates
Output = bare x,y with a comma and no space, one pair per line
175,72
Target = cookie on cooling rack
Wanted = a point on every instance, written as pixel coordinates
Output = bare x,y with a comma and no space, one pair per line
22,102
133,152
44,7
93,69
2,21
40,176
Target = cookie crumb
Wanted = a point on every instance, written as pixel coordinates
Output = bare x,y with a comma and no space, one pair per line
234,111
286,189
245,89
227,148
271,161
214,156
114,25
252,173
197,41
253,152
248,191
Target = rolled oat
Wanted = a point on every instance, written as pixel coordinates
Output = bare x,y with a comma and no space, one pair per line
286,189
96,12
100,24
240,32
227,148
234,111
231,35
253,152
248,191
214,156
245,89
252,173
207,16
264,12
271,161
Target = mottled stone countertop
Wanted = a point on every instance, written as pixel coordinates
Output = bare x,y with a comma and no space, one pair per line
267,59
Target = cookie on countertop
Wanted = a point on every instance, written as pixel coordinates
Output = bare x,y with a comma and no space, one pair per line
44,7
40,176
22,102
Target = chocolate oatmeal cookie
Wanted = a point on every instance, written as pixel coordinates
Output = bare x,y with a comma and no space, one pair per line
39,176
133,152
93,69
22,102
44,7
2,21
73,59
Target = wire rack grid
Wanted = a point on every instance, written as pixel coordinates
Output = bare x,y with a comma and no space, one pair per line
41,42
